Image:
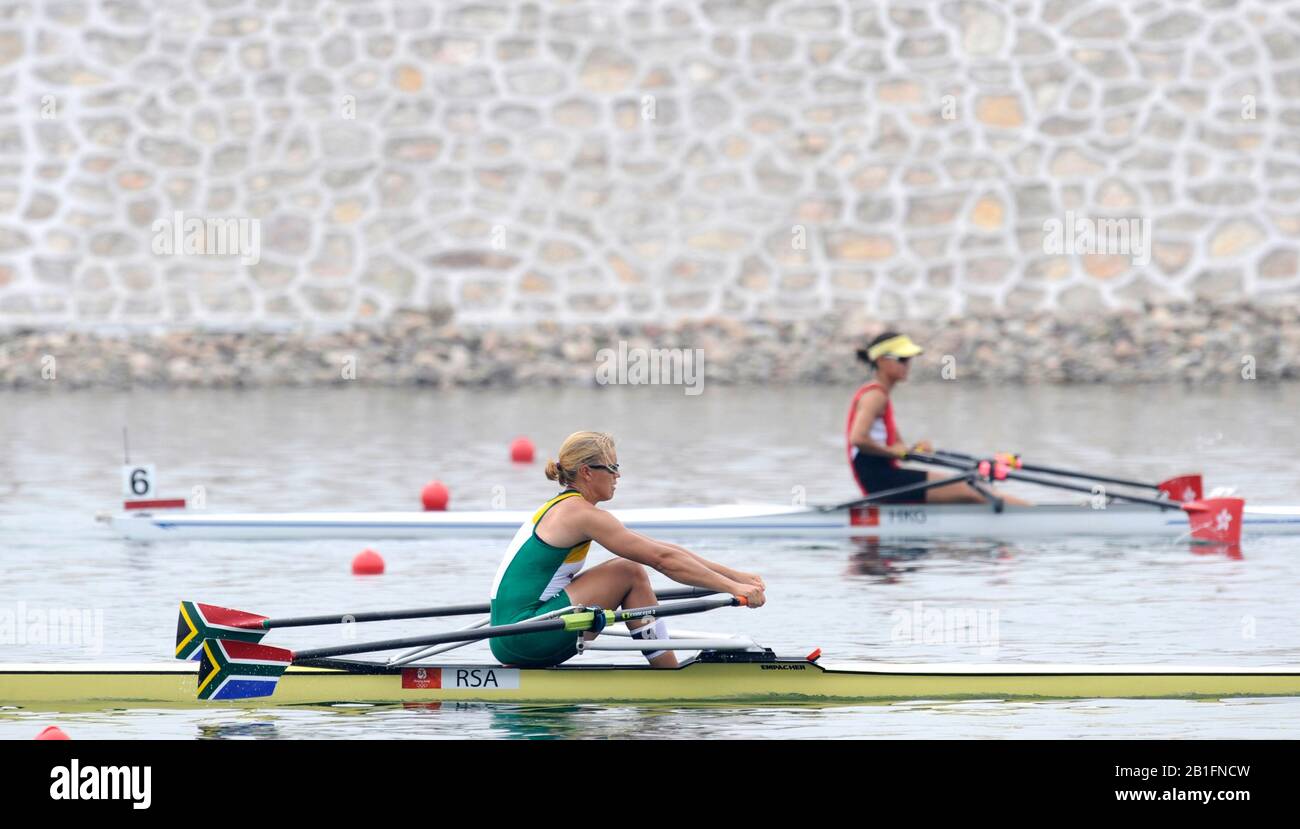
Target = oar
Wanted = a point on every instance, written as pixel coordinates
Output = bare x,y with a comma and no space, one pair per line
1216,520
234,669
198,621
1180,488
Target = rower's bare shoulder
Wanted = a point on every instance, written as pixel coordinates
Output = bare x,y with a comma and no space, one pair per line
872,400
563,522
591,521
572,504
573,511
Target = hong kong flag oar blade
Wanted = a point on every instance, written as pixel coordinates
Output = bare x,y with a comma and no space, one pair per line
1182,488
1216,520
240,670
198,622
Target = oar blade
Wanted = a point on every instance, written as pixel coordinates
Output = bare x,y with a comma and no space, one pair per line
240,670
1216,520
198,622
1183,488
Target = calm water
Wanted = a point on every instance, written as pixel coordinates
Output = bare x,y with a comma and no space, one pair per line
1053,600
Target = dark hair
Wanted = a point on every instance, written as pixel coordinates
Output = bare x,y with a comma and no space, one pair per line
862,352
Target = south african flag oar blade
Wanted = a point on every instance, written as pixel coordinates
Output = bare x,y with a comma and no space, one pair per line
240,670
198,622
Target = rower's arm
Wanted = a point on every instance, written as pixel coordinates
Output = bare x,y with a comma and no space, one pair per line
729,572
870,407
673,562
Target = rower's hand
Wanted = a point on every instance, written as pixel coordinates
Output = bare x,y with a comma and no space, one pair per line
748,578
925,447
899,450
751,593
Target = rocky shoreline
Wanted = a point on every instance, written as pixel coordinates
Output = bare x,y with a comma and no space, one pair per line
1161,343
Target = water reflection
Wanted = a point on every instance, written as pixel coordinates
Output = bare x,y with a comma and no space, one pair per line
255,730
889,560
540,722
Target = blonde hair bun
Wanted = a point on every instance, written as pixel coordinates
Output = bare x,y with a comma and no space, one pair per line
578,449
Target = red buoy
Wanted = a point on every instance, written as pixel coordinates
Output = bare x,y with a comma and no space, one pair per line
368,563
521,450
52,732
434,496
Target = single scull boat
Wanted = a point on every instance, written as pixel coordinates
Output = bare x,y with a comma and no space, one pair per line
883,521
233,667
713,676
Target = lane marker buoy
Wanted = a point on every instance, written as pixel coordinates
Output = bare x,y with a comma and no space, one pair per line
434,496
522,450
368,563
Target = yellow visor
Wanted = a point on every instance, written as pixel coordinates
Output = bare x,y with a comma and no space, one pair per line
900,346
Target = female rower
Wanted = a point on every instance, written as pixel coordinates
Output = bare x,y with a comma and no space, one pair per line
873,442
540,572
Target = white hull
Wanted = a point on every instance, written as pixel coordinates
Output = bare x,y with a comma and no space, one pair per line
901,521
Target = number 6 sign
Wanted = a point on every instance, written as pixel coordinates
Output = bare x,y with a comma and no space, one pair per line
138,482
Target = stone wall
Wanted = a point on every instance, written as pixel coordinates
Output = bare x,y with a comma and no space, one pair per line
497,162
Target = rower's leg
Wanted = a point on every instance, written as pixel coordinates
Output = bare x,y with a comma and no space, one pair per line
608,585
954,493
961,493
1016,500
619,583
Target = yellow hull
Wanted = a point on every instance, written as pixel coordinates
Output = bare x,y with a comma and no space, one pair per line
785,681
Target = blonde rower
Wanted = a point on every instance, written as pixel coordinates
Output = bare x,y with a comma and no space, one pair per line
542,569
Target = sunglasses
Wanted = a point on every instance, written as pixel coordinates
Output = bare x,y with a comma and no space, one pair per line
611,468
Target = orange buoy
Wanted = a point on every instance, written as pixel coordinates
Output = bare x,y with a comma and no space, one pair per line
434,496
368,563
521,450
52,732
